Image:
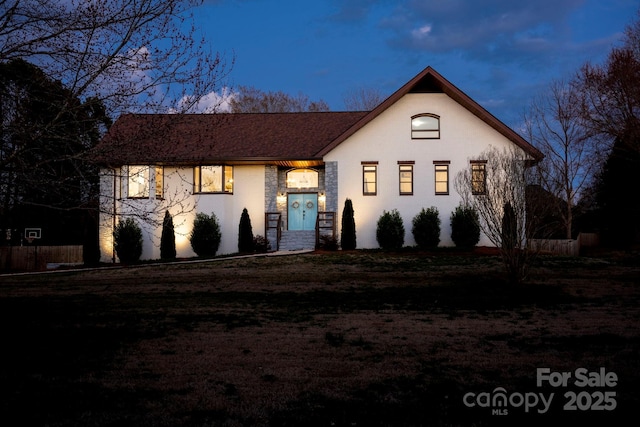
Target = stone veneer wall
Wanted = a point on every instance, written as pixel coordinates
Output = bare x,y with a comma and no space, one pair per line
270,199
331,186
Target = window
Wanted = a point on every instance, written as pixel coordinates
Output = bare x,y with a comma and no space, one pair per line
406,178
159,182
441,176
139,181
302,178
369,179
478,177
213,179
425,126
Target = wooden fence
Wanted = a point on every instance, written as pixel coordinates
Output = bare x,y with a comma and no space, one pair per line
556,246
565,246
37,258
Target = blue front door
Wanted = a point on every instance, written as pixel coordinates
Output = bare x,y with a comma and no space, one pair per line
302,211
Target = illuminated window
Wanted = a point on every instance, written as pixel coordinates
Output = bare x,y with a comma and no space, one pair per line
478,177
406,178
425,126
442,177
302,178
213,179
159,182
369,179
139,181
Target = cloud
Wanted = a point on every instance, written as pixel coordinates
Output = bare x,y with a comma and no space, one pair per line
212,102
479,29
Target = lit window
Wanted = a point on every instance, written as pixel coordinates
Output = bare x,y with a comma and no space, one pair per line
302,178
442,177
425,126
478,178
406,178
369,179
139,181
159,182
213,179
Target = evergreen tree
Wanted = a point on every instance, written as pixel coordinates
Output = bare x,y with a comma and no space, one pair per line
128,241
168,238
348,233
426,228
390,230
245,233
205,236
465,229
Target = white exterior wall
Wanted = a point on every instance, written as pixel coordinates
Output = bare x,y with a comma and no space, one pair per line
248,192
387,140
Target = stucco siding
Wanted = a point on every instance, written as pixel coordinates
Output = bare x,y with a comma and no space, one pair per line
387,140
183,204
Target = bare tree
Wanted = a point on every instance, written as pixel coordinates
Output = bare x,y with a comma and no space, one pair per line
556,128
249,99
611,94
362,99
497,192
131,55
119,56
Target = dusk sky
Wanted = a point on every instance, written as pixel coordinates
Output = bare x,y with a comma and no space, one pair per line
502,53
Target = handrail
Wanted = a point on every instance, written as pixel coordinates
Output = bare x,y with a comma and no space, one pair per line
268,225
326,220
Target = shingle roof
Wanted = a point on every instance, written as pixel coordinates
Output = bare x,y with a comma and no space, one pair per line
264,137
191,138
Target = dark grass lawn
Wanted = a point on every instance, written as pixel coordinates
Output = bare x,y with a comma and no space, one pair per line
324,339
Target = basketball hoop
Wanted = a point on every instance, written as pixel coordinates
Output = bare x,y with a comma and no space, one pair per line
31,234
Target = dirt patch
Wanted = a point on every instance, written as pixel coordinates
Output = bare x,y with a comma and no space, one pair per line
359,338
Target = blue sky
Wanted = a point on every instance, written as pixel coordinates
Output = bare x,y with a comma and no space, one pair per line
502,53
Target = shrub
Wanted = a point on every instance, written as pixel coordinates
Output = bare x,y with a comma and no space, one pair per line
261,244
328,243
390,230
168,238
127,238
426,228
465,228
348,233
245,233
205,236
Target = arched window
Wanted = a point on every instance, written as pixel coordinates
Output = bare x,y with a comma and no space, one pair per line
302,178
425,126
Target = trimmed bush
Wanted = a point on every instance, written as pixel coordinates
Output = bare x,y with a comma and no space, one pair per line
261,244
348,233
390,230
168,238
465,228
127,238
205,236
426,228
245,233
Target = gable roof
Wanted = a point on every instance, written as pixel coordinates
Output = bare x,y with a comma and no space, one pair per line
430,81
291,139
279,138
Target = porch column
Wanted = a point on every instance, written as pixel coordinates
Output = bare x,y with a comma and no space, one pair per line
331,186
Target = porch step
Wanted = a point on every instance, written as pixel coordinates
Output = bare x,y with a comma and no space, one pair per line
293,240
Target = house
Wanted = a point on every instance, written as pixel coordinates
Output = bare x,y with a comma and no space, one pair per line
294,171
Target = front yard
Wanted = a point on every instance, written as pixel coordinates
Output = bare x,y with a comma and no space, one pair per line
344,339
